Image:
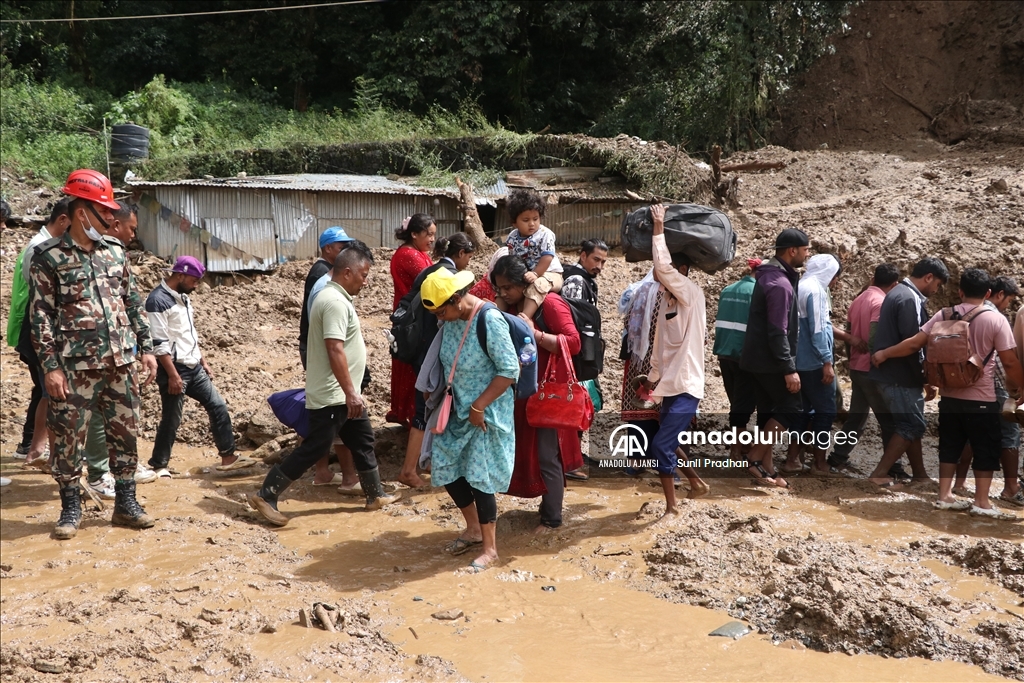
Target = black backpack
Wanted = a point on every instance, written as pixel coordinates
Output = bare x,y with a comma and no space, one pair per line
409,321
520,334
589,362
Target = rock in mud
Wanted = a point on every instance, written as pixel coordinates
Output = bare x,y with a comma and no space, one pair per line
733,629
789,556
49,666
448,615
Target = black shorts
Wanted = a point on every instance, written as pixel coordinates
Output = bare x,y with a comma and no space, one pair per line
774,400
974,422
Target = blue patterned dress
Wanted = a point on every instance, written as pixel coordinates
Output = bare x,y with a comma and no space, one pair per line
485,459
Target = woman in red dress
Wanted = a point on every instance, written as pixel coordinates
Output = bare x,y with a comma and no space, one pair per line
417,236
543,456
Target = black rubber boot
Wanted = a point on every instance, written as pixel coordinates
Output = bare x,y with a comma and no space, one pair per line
127,511
369,480
264,501
70,512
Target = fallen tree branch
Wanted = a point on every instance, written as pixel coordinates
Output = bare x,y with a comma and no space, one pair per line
754,166
904,98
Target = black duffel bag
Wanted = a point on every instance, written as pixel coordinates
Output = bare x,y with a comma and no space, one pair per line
704,234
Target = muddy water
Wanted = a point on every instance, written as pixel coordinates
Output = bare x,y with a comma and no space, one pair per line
208,555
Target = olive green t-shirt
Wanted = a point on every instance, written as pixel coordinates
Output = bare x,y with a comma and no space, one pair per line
333,317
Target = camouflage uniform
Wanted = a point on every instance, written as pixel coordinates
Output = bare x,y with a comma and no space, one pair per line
87,319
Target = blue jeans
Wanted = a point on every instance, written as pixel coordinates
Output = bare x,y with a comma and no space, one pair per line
198,386
819,401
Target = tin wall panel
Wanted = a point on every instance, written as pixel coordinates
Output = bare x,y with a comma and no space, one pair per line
170,241
295,222
573,223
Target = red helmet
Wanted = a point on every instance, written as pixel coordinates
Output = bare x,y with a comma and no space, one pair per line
91,185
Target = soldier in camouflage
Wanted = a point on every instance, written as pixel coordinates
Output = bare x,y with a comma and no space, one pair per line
87,319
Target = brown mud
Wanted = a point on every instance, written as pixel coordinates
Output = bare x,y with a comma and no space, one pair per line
839,581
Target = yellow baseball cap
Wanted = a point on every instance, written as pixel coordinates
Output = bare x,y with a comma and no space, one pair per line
439,286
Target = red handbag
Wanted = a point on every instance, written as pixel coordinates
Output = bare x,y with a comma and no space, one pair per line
560,405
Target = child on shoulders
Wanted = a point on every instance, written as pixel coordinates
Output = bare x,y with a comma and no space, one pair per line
535,245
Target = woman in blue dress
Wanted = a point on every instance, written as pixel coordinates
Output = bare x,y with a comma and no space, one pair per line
474,456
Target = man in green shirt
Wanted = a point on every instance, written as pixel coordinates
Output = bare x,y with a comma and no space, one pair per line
730,331
335,363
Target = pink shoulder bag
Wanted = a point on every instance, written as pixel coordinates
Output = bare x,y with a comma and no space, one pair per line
445,409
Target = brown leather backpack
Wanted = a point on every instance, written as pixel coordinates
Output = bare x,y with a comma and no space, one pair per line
950,360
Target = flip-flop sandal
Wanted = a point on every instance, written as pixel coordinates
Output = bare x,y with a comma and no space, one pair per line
460,546
577,475
992,513
894,485
802,470
239,464
335,480
476,567
956,506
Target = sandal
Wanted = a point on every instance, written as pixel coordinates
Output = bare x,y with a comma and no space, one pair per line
579,474
476,567
335,480
355,489
893,485
461,545
955,506
801,470
992,513
762,477
1017,499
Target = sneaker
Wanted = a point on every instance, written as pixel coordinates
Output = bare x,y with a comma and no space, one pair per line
104,486
144,475
21,453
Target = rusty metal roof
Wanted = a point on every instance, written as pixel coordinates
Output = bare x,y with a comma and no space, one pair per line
375,184
309,182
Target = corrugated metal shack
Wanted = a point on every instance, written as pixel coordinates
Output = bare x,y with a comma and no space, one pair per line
256,223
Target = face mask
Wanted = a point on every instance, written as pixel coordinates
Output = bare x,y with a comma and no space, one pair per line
91,232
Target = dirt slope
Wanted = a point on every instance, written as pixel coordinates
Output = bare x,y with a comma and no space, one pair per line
896,68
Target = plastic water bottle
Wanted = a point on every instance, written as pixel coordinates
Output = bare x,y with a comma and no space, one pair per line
528,354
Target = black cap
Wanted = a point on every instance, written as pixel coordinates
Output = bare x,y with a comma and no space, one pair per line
791,237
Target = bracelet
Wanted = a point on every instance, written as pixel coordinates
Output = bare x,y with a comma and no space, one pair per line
473,407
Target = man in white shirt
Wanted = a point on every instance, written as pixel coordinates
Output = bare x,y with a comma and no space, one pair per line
677,360
183,371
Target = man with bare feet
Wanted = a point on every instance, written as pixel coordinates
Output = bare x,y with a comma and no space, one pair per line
677,360
968,415
769,350
901,378
335,364
815,353
862,319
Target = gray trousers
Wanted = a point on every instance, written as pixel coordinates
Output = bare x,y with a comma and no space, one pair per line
554,478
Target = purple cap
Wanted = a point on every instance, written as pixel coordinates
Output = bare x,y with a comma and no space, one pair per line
188,265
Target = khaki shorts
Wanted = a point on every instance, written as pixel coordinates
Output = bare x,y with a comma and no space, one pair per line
548,282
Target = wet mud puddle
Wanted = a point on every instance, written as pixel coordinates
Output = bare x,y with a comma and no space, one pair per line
212,594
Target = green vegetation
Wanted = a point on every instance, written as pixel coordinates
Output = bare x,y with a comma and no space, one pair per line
691,73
